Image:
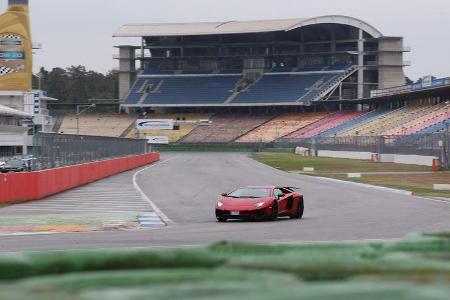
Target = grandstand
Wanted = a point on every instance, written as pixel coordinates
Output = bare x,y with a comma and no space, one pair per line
225,128
292,62
398,122
329,122
273,82
112,125
280,126
417,122
185,124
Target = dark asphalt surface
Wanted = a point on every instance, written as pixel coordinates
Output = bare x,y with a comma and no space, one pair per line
185,187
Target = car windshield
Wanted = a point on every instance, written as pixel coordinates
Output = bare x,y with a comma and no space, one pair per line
250,193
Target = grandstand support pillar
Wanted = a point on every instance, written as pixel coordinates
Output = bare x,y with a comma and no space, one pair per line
127,70
142,53
361,64
333,40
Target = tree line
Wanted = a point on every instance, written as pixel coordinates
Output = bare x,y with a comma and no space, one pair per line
76,84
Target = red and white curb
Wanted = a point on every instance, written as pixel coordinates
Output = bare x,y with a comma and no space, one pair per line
150,221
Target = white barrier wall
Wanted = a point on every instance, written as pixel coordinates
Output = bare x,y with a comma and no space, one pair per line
346,154
385,158
408,159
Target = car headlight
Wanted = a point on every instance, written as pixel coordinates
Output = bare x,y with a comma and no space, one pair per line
260,204
219,204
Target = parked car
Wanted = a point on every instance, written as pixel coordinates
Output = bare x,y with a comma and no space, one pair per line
13,165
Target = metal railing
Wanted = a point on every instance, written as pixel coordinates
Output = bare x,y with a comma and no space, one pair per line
409,88
51,150
436,144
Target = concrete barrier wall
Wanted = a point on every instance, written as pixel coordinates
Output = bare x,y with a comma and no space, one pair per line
346,154
385,158
40,184
408,159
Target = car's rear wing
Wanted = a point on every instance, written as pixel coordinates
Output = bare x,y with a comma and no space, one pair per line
291,189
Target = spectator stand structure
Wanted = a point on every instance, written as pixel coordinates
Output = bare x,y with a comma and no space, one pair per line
242,64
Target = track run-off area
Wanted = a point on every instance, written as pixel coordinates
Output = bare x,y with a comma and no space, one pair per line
183,189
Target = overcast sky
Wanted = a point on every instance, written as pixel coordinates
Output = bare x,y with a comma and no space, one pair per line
77,32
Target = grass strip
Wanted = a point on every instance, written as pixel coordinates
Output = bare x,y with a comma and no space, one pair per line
397,176
33,264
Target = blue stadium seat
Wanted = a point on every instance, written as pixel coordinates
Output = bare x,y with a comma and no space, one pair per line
439,127
310,69
216,89
338,67
436,128
323,84
156,71
193,90
230,71
135,94
286,88
198,72
281,70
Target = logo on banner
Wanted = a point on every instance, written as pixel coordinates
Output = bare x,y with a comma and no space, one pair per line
142,125
159,140
427,81
12,54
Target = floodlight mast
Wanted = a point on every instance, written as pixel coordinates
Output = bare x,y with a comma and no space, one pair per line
79,112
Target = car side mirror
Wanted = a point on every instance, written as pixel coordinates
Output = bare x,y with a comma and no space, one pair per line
224,195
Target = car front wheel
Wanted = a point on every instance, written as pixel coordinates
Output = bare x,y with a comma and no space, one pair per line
274,215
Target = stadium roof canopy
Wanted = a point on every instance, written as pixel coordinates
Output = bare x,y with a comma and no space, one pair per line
6,111
238,27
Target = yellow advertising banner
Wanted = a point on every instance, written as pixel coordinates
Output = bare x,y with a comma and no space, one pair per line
16,61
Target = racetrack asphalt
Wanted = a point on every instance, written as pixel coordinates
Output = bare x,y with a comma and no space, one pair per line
185,187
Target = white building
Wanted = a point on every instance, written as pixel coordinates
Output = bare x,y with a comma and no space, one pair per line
13,136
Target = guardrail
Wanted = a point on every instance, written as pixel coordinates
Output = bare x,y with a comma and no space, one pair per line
410,88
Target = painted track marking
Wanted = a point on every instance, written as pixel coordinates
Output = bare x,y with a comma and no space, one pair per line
155,208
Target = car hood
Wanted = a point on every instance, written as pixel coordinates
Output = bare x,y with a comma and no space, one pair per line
10,166
243,203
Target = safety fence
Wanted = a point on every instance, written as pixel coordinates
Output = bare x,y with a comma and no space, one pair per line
52,150
437,144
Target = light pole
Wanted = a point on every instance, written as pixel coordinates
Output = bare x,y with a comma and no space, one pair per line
39,76
79,112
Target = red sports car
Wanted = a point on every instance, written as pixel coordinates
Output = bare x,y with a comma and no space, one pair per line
260,203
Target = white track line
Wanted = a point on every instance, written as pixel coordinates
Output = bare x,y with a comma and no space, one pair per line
155,208
433,199
357,184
